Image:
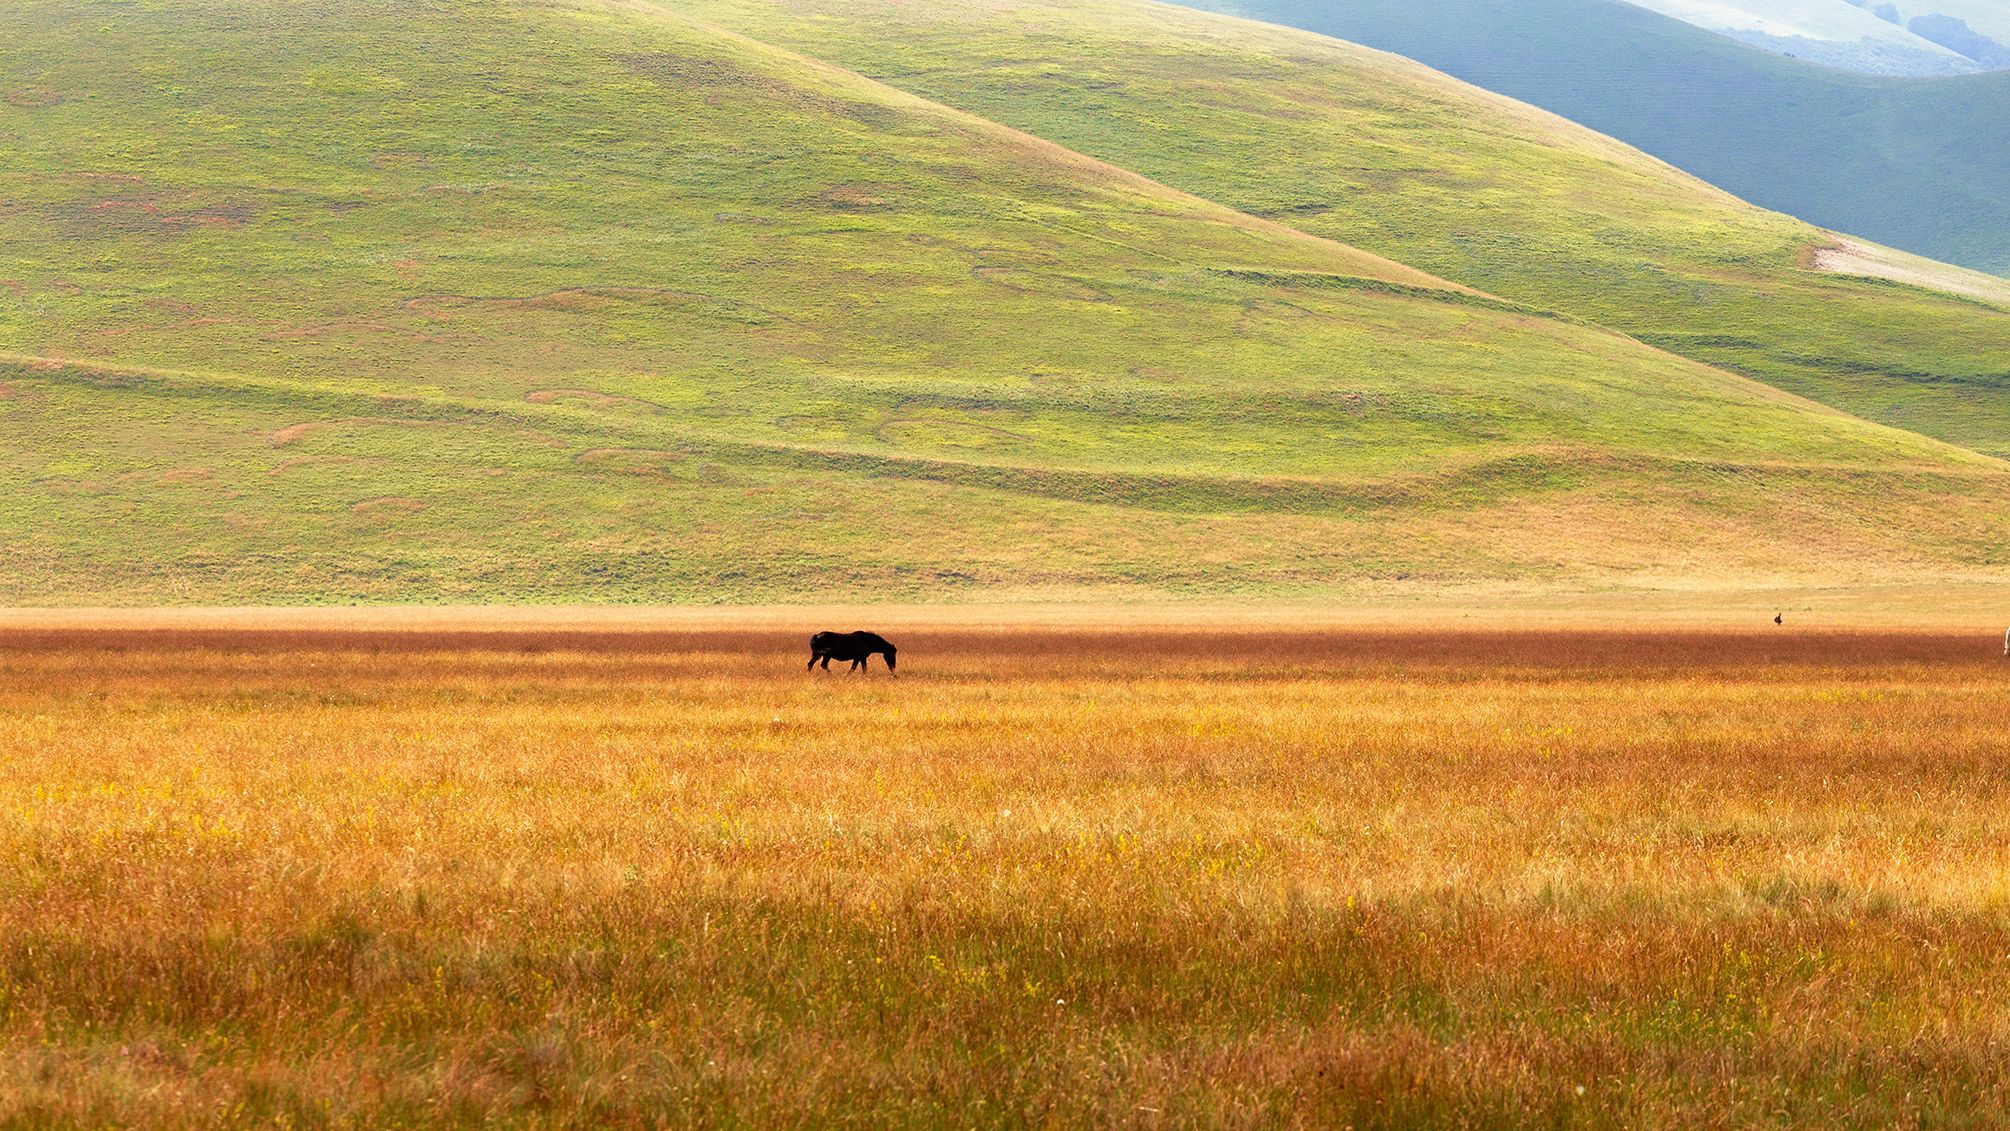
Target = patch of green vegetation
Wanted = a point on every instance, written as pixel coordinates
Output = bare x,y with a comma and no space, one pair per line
587,301
1382,154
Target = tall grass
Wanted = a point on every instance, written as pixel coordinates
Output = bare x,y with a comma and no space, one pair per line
1044,876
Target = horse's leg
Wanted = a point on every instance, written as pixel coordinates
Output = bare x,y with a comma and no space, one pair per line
812,664
827,661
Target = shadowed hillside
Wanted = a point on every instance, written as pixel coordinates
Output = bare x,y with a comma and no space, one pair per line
587,301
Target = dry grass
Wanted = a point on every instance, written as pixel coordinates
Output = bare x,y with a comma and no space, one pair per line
1059,875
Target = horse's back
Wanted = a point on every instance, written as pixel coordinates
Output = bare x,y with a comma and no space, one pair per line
843,644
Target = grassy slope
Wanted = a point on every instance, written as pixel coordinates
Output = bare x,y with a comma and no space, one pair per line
1922,164
1387,155
583,301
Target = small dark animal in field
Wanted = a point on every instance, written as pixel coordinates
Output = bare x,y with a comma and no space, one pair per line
858,647
1779,618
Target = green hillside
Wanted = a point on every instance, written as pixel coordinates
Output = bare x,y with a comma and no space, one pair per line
583,300
1390,156
1918,163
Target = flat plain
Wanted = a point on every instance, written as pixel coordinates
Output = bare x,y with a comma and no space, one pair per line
1172,875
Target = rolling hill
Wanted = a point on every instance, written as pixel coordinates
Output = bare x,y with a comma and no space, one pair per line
590,300
1386,155
1920,164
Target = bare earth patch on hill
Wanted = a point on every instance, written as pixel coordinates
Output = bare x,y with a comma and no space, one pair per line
1846,256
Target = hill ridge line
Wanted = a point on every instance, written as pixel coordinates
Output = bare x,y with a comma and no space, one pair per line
1037,144
1337,281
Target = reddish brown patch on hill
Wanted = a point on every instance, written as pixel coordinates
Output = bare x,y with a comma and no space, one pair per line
8,392
15,285
348,326
593,397
71,487
633,461
137,214
292,432
857,198
188,475
387,506
301,461
34,97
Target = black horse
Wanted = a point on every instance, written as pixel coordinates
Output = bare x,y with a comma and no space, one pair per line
858,647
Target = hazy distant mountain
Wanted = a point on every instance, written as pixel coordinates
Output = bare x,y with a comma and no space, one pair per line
1979,29
1919,37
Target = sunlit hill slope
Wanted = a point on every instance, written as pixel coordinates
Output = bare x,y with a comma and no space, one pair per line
596,300
1384,154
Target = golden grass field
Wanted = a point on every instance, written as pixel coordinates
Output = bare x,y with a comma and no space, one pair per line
1301,875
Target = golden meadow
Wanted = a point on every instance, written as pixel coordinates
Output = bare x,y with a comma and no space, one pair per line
1043,876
